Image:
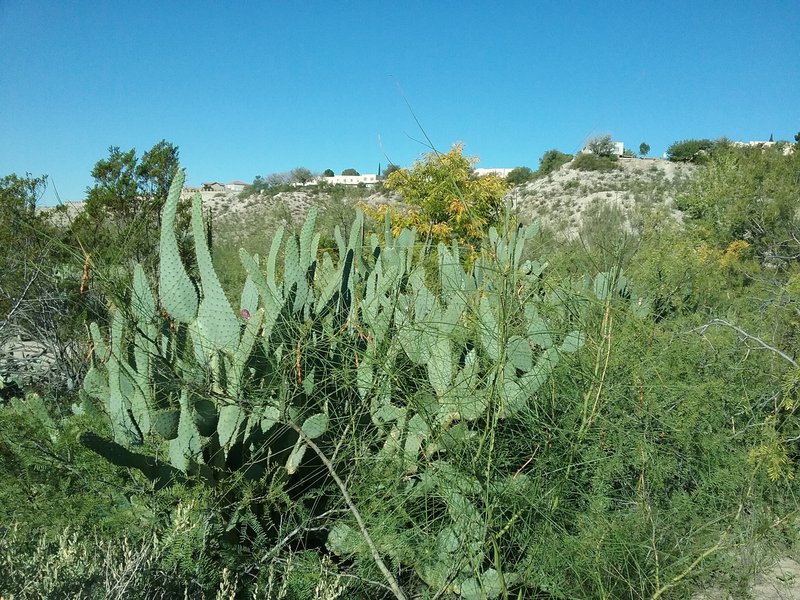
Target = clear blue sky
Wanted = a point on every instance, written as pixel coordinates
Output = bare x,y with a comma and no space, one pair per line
248,89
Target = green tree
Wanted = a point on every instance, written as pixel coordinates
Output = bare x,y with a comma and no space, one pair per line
520,175
123,207
551,161
328,173
22,237
747,194
695,151
39,282
601,146
390,168
644,149
154,174
351,172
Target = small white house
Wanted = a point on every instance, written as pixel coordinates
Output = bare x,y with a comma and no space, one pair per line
369,180
235,186
619,149
500,172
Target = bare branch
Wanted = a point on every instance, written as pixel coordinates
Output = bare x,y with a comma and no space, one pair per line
395,587
723,323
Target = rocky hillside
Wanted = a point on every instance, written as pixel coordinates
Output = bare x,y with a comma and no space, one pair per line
568,197
563,200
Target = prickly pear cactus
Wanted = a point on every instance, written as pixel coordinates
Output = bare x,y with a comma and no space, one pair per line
380,340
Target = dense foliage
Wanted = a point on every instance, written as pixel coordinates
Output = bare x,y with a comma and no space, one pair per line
445,198
696,151
370,414
552,160
520,175
589,161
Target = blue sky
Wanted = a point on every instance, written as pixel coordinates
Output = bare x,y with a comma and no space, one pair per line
248,89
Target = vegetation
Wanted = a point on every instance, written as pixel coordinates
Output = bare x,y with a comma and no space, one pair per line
375,409
301,175
696,151
601,146
446,200
123,207
390,168
352,172
552,160
644,149
520,175
589,161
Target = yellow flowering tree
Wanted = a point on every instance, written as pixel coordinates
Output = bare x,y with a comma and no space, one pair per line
445,198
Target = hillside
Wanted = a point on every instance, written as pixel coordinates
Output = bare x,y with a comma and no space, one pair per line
568,197
562,201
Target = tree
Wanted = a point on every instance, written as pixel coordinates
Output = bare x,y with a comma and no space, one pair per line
301,175
390,168
797,137
446,199
351,172
155,171
520,175
601,146
123,207
644,149
695,151
19,195
551,161
328,173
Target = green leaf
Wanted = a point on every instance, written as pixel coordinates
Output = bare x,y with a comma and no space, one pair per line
215,319
573,342
165,423
440,365
175,288
296,457
315,425
519,353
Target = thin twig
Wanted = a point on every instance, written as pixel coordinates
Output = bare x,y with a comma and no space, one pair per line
395,587
723,323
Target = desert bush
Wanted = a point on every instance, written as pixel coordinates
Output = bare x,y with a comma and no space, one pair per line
551,161
747,194
446,200
695,151
588,161
520,175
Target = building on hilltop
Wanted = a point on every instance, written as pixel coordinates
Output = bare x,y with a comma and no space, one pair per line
500,172
619,149
368,180
217,186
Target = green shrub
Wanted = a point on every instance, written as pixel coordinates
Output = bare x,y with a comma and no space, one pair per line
695,151
520,175
588,161
551,161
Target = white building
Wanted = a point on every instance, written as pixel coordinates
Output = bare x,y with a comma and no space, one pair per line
500,172
236,186
619,149
369,180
